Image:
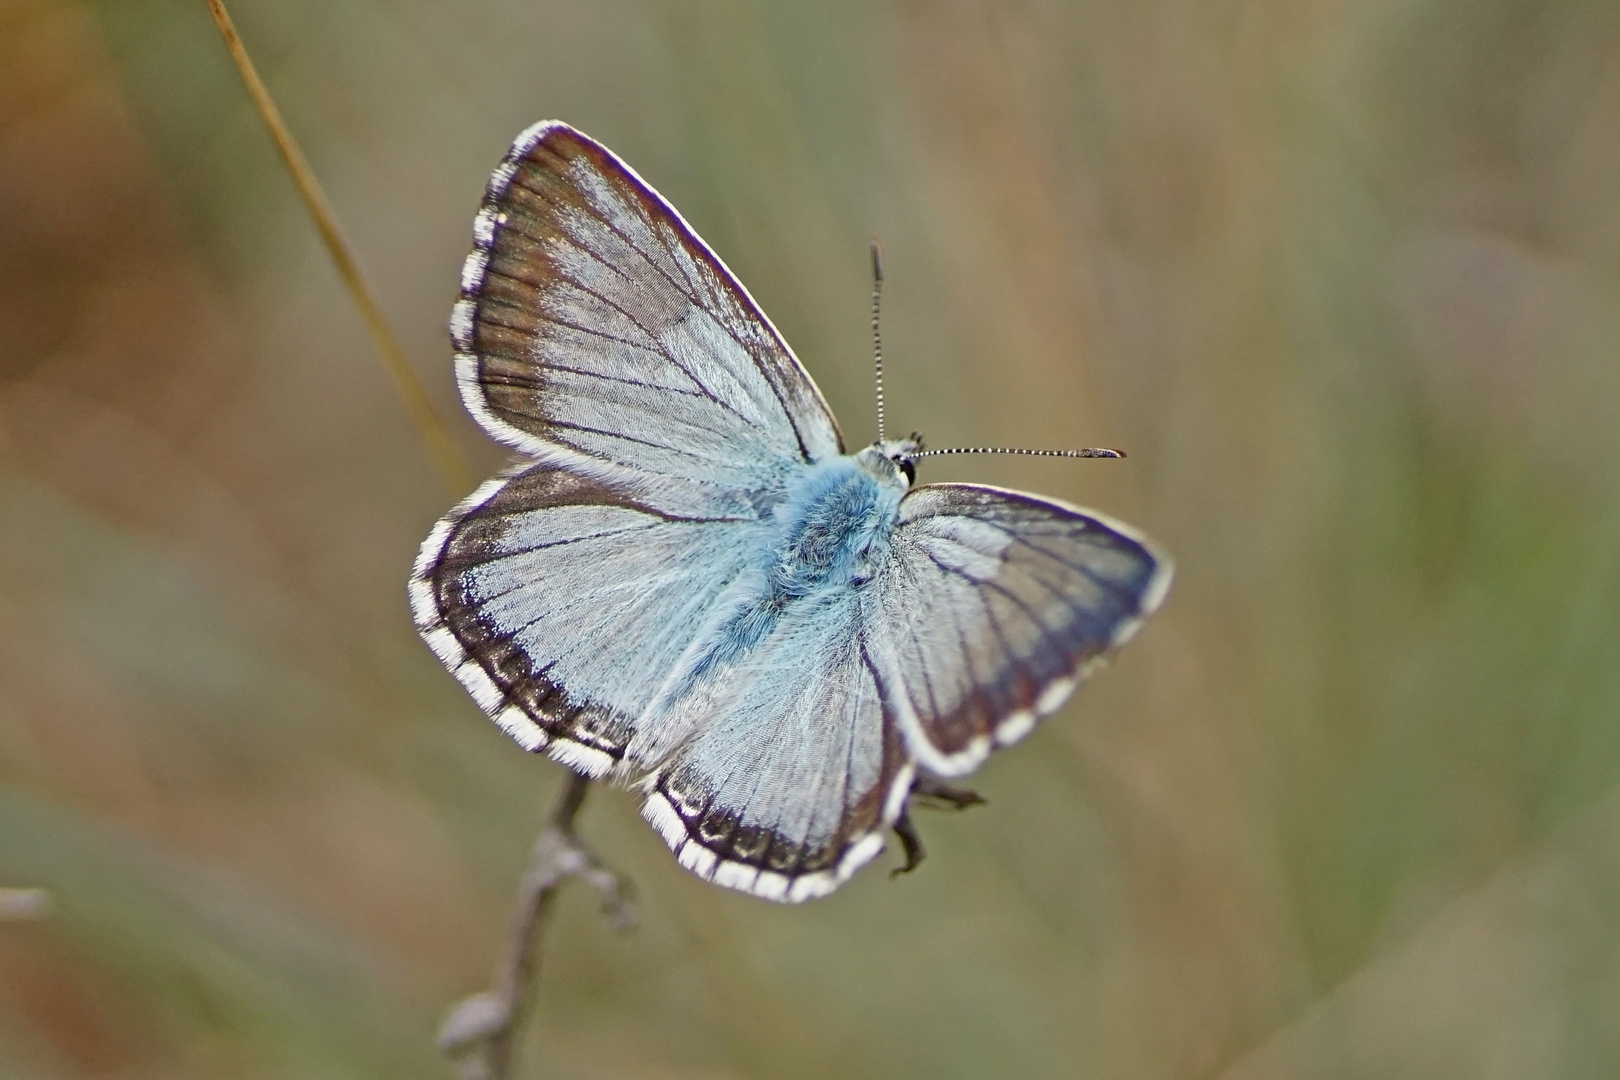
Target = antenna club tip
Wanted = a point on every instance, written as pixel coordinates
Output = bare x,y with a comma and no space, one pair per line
877,260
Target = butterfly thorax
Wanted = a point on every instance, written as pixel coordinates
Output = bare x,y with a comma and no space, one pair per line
832,526
833,523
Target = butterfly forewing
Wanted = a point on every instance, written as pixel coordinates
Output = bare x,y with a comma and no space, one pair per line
596,331
991,608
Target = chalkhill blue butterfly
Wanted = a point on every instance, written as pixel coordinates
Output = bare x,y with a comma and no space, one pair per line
684,583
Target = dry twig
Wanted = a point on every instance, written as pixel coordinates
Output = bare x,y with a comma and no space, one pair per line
477,1034
445,453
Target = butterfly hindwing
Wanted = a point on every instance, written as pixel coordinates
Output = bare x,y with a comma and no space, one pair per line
993,606
562,606
787,788
596,331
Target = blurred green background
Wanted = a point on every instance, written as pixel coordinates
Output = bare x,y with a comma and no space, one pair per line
1343,276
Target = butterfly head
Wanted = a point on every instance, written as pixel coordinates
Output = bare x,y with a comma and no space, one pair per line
894,457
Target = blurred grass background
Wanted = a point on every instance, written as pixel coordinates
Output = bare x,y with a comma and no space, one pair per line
1342,276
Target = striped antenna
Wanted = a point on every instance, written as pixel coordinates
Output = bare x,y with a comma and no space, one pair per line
877,339
1088,452
877,356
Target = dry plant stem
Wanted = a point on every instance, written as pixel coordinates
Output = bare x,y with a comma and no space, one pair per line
446,455
478,1033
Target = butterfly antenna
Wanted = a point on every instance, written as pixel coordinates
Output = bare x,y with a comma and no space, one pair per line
877,338
877,358
1088,452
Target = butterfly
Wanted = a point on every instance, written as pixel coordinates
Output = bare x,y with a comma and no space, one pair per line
685,583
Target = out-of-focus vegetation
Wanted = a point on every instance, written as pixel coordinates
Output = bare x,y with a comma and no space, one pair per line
1343,277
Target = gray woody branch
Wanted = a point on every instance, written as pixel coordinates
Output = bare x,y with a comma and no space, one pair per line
478,1033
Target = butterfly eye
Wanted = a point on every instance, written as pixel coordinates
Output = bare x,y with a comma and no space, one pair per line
908,467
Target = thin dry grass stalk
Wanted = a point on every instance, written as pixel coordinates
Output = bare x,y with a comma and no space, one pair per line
447,456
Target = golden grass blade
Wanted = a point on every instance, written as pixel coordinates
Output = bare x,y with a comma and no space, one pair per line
447,456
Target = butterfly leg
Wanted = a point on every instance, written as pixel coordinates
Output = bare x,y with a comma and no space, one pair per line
942,796
910,843
937,795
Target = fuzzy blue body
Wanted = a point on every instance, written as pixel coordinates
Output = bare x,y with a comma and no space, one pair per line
832,526
828,536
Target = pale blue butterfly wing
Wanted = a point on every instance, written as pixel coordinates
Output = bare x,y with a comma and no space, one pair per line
563,606
786,789
994,606
597,332
687,585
